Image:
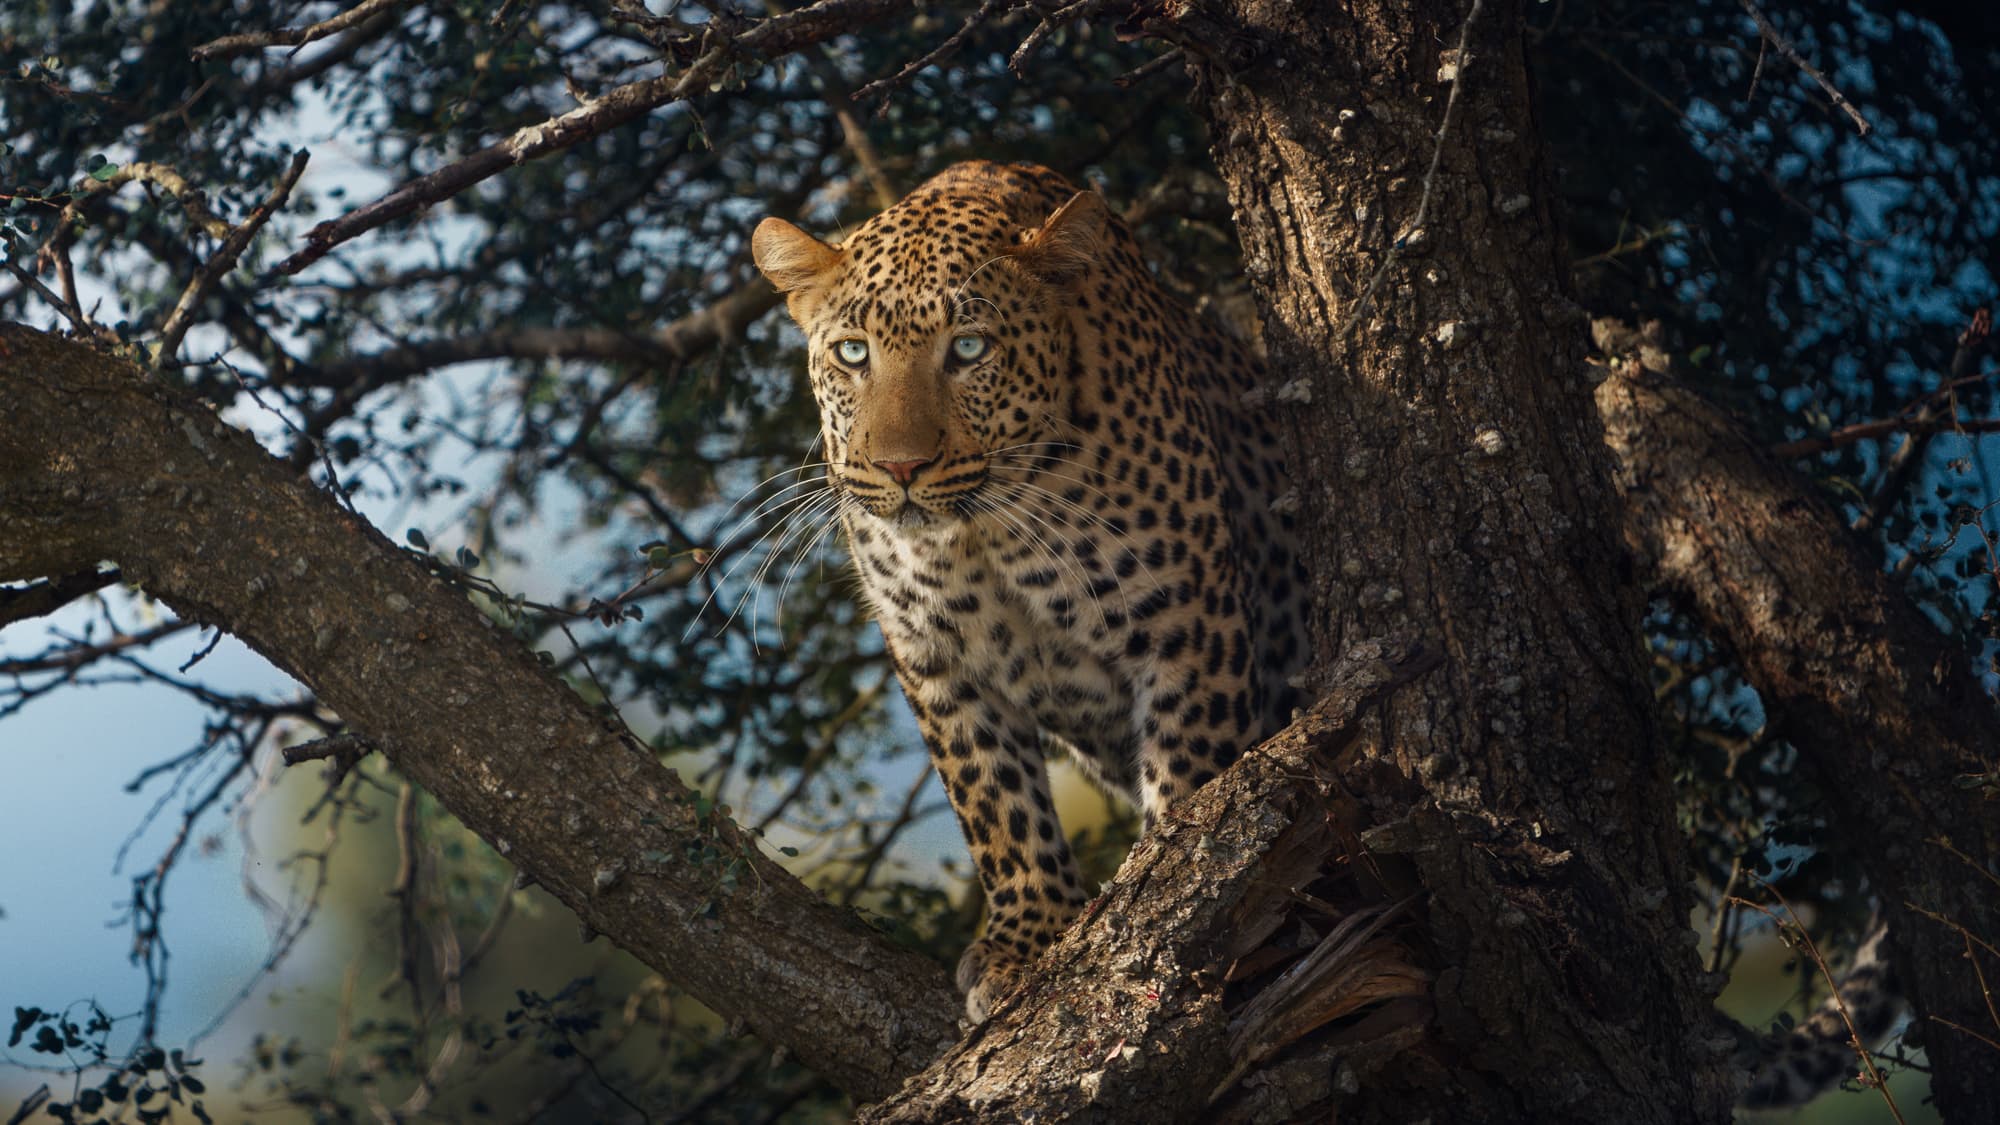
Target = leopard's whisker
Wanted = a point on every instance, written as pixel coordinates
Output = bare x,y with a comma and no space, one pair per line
801,519
751,493
805,552
795,504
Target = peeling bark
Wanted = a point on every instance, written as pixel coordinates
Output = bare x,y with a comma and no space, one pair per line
1886,714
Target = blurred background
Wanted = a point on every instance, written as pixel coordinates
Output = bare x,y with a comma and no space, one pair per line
563,385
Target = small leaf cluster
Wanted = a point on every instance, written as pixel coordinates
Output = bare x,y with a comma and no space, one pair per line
153,1082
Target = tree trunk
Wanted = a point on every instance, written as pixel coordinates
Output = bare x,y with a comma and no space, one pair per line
1393,198
1890,721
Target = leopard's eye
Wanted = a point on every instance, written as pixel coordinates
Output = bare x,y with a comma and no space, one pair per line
968,347
853,353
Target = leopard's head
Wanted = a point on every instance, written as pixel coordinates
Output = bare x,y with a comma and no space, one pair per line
939,342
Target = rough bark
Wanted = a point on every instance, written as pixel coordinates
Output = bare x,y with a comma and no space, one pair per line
1132,1014
1453,484
97,463
1886,714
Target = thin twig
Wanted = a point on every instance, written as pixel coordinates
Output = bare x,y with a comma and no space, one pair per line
1725,911
1148,68
944,50
211,271
338,746
43,291
192,199
1904,463
1818,959
1961,1027
1862,431
1785,48
834,92
1082,9
247,41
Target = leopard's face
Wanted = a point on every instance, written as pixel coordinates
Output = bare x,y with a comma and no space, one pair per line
938,357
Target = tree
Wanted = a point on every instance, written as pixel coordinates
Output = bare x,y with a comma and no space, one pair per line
1483,806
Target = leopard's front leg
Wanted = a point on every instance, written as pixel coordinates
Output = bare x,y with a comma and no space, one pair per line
992,768
1198,709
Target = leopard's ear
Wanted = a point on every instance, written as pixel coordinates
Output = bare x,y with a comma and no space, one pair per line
1071,242
789,257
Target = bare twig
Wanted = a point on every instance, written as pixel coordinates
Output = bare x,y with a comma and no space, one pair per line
55,301
1785,48
881,86
182,318
192,199
1904,463
335,54
1862,431
1082,9
681,339
337,746
834,91
1149,68
770,38
247,41
1818,959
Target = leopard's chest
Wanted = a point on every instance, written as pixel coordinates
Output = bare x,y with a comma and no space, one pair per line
990,621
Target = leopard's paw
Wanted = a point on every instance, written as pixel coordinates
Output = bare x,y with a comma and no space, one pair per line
987,973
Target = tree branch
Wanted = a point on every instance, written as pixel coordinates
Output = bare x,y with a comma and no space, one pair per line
688,336
96,462
233,244
1886,713
244,42
768,39
39,599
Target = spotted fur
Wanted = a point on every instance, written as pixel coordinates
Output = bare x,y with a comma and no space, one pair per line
1797,1065
1066,515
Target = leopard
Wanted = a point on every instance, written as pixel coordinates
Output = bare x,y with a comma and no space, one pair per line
1065,495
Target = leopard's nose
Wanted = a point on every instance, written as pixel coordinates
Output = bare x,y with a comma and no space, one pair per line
903,471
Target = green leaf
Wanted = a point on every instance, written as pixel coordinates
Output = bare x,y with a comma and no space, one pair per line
103,172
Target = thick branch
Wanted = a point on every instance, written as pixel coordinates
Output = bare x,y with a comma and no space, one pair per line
40,598
1888,714
1864,431
96,463
768,39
